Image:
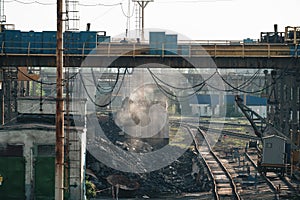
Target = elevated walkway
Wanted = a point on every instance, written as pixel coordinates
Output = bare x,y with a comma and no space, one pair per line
197,53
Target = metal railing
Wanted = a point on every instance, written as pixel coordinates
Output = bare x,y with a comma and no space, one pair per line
183,48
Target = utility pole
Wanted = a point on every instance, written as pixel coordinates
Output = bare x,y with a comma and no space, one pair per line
59,120
143,4
2,15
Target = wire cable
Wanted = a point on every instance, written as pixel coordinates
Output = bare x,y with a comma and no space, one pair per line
243,85
181,88
257,91
169,93
45,83
105,90
48,4
131,15
111,100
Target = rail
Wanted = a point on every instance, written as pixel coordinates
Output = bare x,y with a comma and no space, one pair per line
269,182
232,184
185,49
234,189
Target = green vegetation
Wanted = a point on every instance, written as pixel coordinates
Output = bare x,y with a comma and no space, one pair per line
90,189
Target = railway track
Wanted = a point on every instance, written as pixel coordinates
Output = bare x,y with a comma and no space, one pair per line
281,187
225,175
223,184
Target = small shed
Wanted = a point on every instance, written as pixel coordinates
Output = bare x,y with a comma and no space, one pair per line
273,150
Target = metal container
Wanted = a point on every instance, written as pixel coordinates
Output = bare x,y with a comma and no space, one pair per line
102,38
273,151
12,41
2,40
24,43
89,40
171,44
49,42
157,40
72,43
36,43
248,41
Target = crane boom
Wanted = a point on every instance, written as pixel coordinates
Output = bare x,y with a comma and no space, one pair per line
260,125
257,122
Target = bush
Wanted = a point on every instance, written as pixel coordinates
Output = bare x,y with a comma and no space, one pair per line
90,189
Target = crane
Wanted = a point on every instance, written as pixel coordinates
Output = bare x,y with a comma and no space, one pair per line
260,125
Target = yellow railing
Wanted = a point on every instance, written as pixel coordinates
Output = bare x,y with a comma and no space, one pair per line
183,48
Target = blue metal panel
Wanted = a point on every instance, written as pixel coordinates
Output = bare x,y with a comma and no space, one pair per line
102,38
184,50
171,44
295,50
49,42
1,39
230,99
36,43
89,40
255,101
212,100
24,43
157,40
72,43
248,41
12,40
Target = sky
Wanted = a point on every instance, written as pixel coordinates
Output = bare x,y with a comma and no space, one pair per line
196,19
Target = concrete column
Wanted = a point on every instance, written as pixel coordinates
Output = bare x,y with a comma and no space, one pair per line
28,155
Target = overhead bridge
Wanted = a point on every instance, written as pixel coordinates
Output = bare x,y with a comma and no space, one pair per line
186,55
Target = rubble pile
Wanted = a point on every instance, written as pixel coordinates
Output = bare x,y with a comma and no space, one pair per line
187,174
178,178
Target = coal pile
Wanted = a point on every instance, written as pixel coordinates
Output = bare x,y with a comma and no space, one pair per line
185,175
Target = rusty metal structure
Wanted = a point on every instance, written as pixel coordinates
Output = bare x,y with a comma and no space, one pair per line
60,138
142,4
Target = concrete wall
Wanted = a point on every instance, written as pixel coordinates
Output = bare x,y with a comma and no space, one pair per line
30,105
31,137
204,110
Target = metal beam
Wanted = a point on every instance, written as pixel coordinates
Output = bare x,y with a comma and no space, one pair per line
171,61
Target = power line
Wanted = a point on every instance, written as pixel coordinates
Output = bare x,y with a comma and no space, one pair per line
250,92
243,85
48,4
169,93
45,83
111,100
131,15
181,88
194,1
31,2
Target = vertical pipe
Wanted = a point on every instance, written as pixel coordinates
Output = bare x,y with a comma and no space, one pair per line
59,120
2,97
67,156
2,104
143,20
